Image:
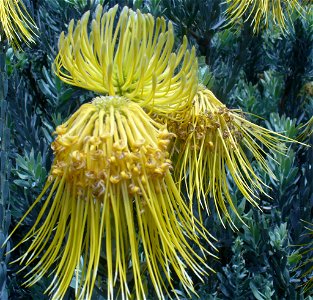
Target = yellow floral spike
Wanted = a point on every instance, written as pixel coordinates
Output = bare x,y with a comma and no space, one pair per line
259,11
16,23
131,56
110,191
212,142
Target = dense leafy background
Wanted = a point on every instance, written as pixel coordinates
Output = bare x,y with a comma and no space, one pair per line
268,74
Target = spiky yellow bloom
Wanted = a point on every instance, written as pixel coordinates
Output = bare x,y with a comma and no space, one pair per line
131,56
212,142
260,11
16,23
110,190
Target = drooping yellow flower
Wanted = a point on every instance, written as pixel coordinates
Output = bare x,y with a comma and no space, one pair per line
134,59
260,11
16,23
110,191
212,142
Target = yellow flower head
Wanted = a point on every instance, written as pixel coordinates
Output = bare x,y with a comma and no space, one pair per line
259,11
130,56
16,23
212,142
110,191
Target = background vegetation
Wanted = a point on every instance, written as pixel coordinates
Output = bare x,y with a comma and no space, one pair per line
266,74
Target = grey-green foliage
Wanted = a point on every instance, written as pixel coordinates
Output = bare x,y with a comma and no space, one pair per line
30,169
258,267
237,282
261,98
292,57
31,175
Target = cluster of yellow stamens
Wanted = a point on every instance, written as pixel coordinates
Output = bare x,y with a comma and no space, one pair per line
134,59
93,157
212,142
16,23
260,11
111,171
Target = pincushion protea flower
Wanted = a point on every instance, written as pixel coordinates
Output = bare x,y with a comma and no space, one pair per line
212,142
16,22
259,11
110,189
134,59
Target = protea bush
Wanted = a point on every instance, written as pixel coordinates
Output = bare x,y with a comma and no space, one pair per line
111,175
142,144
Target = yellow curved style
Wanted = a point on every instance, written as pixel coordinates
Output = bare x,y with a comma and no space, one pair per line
110,191
134,59
16,23
212,142
260,11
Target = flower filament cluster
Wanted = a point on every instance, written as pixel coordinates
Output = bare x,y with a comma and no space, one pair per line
16,23
112,171
95,154
260,12
135,60
212,142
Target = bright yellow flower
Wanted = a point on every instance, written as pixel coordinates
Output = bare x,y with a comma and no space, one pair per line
260,11
110,191
212,142
16,23
134,59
